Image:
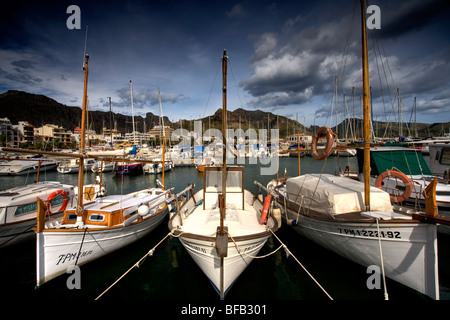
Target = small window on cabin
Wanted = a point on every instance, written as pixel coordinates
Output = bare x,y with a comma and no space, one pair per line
72,217
95,217
438,155
31,207
445,157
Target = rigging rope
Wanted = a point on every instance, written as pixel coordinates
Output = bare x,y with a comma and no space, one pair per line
136,265
282,245
310,275
212,87
248,255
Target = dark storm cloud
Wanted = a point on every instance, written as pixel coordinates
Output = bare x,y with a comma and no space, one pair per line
411,16
298,63
292,67
285,54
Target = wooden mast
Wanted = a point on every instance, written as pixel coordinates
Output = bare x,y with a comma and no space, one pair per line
224,123
221,237
366,107
80,209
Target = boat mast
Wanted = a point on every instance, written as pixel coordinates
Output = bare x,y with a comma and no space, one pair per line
164,137
221,236
80,208
224,123
132,112
110,124
366,107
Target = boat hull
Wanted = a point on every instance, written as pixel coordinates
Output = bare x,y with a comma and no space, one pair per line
408,248
132,169
204,253
14,233
67,169
57,249
27,170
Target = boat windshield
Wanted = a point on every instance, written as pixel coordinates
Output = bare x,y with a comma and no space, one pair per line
213,179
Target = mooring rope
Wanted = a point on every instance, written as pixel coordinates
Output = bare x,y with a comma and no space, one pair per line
310,275
386,296
81,245
248,255
136,265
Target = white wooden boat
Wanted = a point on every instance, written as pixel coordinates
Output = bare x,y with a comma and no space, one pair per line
155,168
359,222
18,208
198,225
96,228
221,226
27,166
107,224
72,165
330,211
409,175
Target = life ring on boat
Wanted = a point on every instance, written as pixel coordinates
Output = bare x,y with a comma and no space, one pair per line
53,195
398,175
265,209
322,132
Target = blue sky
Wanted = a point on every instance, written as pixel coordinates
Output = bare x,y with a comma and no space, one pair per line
284,56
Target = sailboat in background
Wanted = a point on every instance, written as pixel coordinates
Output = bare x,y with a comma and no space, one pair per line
135,167
223,226
163,166
95,228
29,165
358,221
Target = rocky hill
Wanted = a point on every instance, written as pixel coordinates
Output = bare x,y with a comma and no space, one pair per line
39,110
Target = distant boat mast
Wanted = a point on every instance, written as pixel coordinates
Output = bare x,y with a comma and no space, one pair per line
132,112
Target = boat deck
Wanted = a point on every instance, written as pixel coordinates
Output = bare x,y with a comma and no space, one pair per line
116,202
239,222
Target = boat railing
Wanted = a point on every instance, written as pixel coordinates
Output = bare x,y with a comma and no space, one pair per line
181,198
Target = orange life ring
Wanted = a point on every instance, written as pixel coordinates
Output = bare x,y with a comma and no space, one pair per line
322,132
55,194
398,175
265,209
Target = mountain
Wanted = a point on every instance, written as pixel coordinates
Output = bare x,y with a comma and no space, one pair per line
386,130
39,110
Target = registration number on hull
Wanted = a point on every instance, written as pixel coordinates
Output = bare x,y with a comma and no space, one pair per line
370,233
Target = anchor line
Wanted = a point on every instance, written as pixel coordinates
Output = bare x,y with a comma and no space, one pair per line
136,265
386,296
248,255
301,265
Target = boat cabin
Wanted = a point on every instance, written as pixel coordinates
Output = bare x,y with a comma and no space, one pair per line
440,158
118,210
408,161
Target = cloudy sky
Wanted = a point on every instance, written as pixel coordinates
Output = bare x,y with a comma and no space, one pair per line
284,56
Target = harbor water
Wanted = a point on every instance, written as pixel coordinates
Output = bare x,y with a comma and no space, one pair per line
171,274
